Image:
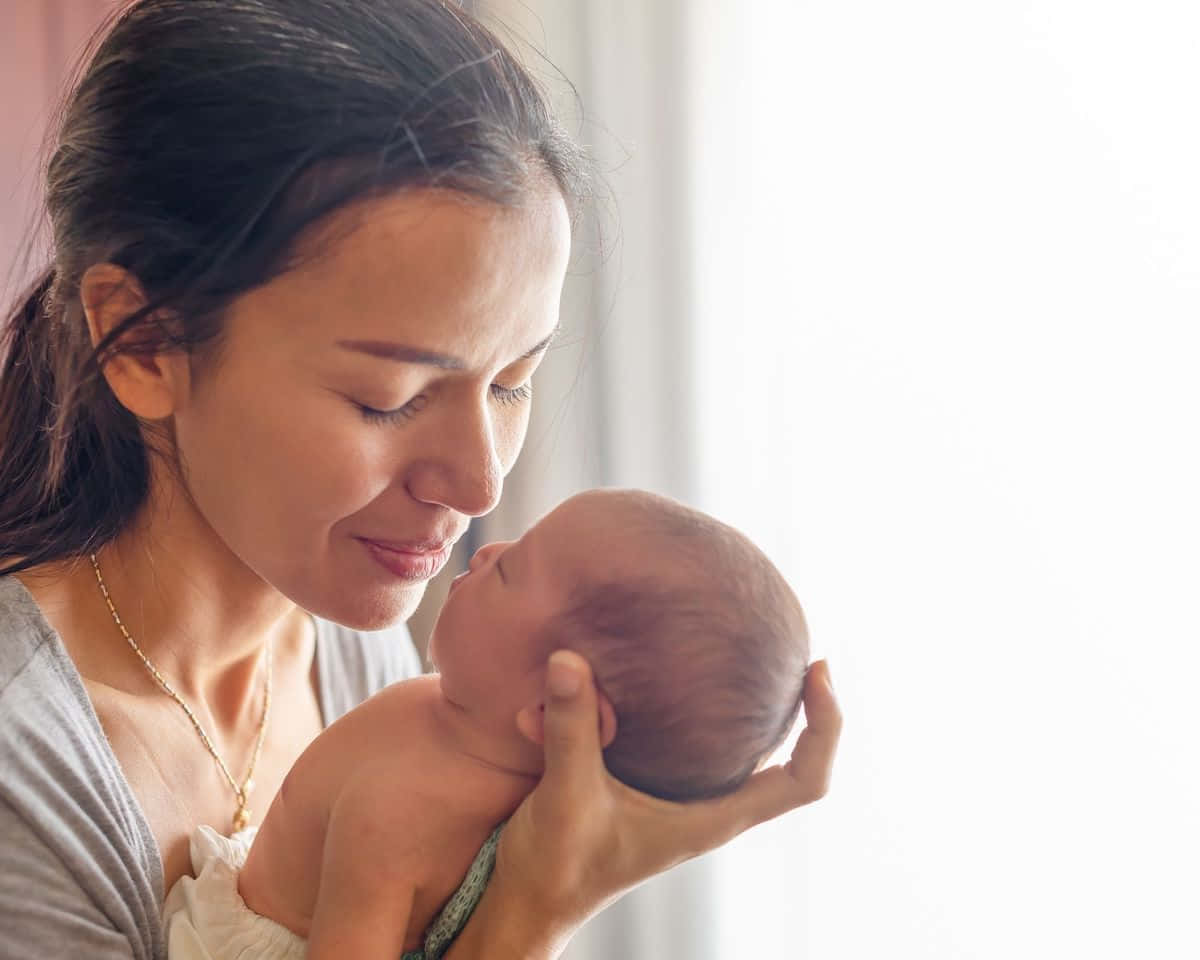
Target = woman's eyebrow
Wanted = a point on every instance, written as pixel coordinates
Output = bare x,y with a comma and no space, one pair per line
402,353
543,343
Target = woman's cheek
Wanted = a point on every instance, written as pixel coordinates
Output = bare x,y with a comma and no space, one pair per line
354,462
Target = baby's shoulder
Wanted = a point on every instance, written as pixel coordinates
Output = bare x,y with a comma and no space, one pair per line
389,720
363,749
388,746
406,701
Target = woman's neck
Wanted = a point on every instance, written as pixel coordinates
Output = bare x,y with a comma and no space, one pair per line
192,607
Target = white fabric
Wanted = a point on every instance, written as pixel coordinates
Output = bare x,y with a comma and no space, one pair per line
206,919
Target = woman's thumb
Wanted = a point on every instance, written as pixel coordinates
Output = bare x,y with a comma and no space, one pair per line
571,728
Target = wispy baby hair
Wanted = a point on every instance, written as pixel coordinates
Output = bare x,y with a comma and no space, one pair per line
701,647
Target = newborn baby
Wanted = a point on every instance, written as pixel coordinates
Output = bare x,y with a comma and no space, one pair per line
699,651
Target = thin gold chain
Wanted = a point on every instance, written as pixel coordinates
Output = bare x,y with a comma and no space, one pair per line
242,816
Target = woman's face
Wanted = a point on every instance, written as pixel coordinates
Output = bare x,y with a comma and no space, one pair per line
368,402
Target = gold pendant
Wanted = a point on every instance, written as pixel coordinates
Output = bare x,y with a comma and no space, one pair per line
241,818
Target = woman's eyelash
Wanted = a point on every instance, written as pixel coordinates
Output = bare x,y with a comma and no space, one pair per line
505,395
371,415
512,394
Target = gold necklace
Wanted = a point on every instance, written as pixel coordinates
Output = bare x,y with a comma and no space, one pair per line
241,816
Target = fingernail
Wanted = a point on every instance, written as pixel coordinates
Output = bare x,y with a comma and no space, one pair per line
561,676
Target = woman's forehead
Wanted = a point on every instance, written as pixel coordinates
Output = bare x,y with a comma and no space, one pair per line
432,270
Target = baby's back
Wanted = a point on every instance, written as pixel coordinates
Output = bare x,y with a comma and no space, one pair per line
384,771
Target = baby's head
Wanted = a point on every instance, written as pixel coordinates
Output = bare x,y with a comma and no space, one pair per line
692,634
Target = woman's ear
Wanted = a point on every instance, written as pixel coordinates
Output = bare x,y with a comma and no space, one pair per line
531,721
148,384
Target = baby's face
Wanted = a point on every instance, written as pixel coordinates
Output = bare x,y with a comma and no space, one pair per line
485,643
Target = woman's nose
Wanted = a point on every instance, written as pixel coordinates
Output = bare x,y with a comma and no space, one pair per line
459,466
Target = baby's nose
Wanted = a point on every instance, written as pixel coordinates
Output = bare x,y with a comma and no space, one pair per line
481,556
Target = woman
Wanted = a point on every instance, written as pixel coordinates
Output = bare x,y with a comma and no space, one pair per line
307,258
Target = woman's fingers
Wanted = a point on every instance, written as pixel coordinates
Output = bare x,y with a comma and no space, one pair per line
773,792
582,837
575,777
811,765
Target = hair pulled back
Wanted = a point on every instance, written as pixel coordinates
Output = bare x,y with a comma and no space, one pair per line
202,137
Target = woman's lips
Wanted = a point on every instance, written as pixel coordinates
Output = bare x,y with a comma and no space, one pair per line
414,562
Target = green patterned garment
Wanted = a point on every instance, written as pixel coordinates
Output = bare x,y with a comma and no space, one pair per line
458,909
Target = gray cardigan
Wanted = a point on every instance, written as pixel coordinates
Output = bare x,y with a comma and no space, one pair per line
80,872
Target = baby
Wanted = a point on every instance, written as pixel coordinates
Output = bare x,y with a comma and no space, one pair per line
699,651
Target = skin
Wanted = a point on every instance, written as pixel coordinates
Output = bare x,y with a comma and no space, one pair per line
281,477
486,642
377,823
344,857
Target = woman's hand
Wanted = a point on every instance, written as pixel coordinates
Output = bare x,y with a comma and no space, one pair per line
582,838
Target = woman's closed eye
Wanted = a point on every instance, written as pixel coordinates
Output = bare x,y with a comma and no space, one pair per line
398,415
507,396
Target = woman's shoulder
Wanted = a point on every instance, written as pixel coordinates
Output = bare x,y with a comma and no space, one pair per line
22,631
72,840
41,693
353,665
56,759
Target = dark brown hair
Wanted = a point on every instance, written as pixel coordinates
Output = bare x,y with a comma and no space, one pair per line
201,139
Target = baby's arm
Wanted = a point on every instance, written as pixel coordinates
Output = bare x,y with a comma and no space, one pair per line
369,876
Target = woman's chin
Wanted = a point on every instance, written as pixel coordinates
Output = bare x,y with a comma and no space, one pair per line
374,609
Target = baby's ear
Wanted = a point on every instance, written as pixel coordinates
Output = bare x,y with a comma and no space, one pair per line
531,721
608,720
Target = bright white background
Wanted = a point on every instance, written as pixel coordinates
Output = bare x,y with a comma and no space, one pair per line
948,294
